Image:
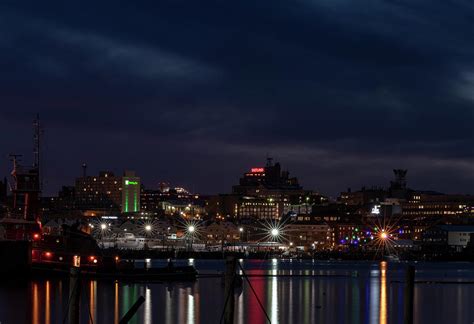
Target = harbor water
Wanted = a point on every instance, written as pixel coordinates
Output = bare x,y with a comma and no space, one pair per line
291,291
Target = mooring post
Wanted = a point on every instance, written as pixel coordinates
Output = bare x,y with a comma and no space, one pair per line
74,295
409,294
230,265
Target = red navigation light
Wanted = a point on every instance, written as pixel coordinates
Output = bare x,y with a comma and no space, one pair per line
36,236
48,254
257,170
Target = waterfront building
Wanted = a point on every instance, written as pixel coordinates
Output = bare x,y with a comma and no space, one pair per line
456,237
306,232
221,232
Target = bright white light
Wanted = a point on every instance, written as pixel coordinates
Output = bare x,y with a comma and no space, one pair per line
241,229
191,229
383,235
148,228
103,226
275,232
375,210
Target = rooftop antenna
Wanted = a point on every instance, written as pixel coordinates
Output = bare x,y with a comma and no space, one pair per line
84,170
36,141
37,134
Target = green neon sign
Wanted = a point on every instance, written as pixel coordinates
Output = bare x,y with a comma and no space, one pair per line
128,182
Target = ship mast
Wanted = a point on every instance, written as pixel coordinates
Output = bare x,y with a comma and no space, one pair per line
37,132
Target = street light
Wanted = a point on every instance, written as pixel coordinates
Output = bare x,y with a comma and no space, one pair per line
191,230
241,229
148,228
103,226
275,232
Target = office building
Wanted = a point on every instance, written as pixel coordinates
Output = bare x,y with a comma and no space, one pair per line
130,192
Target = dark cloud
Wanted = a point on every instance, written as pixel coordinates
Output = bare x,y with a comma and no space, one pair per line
192,92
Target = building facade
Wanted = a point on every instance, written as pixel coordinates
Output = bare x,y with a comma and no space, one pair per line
130,192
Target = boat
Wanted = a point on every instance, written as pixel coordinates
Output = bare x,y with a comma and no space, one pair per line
123,241
392,258
54,255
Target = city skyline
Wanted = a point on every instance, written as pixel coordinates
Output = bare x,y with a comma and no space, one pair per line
153,183
194,94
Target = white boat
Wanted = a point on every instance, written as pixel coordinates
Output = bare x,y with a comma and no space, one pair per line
392,258
123,241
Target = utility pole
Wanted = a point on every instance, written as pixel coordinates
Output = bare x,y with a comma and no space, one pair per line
74,295
230,266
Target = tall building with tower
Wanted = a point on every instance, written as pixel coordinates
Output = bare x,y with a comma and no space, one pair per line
266,181
263,192
130,192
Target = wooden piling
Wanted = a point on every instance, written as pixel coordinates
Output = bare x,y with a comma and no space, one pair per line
74,295
409,294
230,268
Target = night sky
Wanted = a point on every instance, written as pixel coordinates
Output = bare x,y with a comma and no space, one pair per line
197,92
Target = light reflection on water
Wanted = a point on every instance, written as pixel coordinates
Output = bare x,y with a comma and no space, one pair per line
370,297
47,310
383,292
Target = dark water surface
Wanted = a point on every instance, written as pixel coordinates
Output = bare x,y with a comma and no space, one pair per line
356,292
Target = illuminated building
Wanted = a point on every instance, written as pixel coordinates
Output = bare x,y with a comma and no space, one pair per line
263,193
267,181
449,208
363,197
455,237
217,232
99,192
181,208
310,233
397,190
150,200
108,192
251,207
130,192
172,201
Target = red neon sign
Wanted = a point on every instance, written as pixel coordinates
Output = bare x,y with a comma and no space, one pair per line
257,170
